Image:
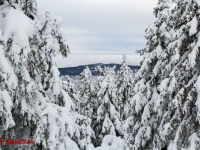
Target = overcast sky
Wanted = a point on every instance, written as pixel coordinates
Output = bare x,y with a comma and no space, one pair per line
99,31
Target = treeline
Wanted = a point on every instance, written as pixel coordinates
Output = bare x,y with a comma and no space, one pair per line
104,99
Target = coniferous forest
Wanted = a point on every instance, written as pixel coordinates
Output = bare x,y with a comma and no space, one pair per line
158,108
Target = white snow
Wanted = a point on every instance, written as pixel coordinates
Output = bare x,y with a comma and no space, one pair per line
193,25
17,27
109,142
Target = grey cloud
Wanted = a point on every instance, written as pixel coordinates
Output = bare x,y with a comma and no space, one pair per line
103,26
76,60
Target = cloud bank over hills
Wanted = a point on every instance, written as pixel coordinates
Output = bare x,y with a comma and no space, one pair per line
76,60
102,26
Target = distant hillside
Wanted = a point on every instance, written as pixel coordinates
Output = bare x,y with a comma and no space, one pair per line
73,71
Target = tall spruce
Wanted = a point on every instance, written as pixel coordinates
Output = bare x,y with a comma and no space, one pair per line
70,87
182,81
34,103
167,85
108,117
141,126
87,102
87,94
124,85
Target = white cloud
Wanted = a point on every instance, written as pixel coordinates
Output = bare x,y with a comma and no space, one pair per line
76,60
102,26
74,31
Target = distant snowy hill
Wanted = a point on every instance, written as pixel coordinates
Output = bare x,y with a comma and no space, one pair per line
73,71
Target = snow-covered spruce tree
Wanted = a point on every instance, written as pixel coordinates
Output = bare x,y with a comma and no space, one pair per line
87,94
86,132
182,114
29,7
33,102
140,128
70,87
167,85
124,88
85,104
108,118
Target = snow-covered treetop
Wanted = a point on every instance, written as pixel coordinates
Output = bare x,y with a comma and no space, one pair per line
86,73
162,9
124,58
125,70
109,71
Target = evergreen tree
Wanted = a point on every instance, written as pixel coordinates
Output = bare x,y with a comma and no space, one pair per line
84,121
70,87
141,126
86,105
87,94
108,117
33,101
124,87
86,132
167,85
182,81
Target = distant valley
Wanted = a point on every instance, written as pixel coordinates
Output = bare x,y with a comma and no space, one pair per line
74,71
